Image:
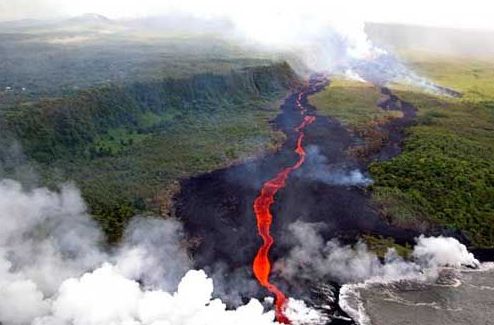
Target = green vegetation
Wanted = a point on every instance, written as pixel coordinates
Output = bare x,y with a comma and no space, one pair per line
126,146
446,173
380,245
99,121
126,114
35,65
351,102
354,103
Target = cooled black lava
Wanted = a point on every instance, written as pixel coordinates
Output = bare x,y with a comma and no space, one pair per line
216,208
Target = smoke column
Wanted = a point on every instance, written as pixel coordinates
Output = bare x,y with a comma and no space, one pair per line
262,205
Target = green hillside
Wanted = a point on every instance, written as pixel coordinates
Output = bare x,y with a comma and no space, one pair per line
126,145
445,174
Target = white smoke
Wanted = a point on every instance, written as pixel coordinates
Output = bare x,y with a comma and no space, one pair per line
313,258
300,314
352,75
328,37
153,252
45,238
330,42
317,168
432,254
106,297
53,271
442,251
341,177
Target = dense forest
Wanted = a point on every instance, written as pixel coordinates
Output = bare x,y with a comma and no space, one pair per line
444,178
54,128
109,139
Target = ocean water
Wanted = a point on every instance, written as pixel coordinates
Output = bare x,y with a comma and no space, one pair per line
456,297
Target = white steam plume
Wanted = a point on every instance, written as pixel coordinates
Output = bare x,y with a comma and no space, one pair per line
313,258
326,36
45,238
53,272
153,253
431,253
328,41
321,36
317,168
106,297
442,251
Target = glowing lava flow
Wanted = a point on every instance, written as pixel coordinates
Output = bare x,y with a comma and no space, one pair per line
262,205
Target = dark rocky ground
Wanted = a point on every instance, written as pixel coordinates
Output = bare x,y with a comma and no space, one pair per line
216,208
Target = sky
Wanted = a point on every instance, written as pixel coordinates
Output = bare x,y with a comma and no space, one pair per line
453,13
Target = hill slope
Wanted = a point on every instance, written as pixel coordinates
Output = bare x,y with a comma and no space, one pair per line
127,145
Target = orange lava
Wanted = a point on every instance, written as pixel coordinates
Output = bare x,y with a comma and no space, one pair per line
262,206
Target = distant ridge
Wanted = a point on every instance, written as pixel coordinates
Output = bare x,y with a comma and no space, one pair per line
90,18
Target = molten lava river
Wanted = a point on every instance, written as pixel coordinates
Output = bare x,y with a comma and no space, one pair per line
262,206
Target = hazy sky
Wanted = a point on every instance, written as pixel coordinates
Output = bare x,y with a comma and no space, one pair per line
453,13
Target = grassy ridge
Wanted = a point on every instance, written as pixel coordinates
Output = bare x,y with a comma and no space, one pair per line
143,176
445,175
446,172
55,128
354,103
126,146
35,67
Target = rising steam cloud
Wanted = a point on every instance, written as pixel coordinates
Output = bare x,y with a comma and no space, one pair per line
317,168
313,258
322,36
53,272
315,36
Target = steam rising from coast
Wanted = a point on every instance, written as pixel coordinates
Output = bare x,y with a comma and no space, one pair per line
54,271
313,258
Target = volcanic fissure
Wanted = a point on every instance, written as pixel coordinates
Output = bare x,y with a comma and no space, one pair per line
262,210
236,213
